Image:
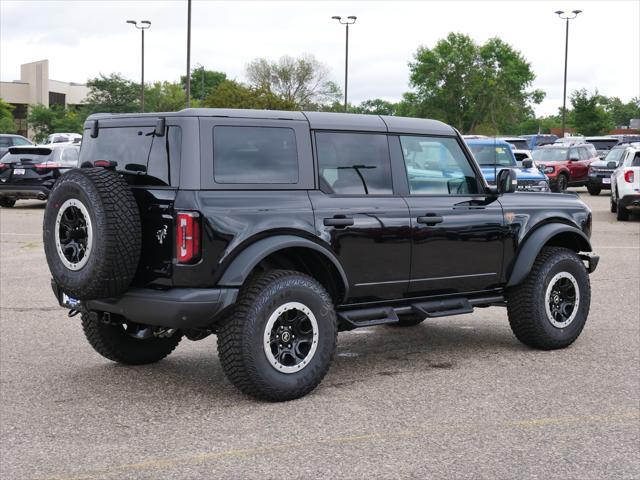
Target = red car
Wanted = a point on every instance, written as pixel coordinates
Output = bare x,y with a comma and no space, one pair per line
565,165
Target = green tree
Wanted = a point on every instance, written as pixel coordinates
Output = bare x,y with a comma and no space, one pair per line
589,116
471,86
44,121
231,94
377,106
203,81
113,93
7,124
303,81
164,97
622,113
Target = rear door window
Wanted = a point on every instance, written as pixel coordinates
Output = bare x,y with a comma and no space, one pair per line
149,160
69,157
584,154
254,155
354,163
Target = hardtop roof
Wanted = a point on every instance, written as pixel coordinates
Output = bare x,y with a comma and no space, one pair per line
316,120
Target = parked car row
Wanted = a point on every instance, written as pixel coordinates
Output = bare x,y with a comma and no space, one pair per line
625,180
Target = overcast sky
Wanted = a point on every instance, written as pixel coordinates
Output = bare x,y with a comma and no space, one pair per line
84,38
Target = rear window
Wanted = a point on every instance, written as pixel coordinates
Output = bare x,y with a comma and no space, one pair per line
149,159
492,154
519,144
257,155
604,144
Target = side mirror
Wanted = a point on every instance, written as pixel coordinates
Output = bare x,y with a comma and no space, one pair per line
613,165
506,181
527,163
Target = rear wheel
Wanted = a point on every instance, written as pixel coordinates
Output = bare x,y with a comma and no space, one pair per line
613,206
549,309
7,202
128,343
280,340
622,213
594,190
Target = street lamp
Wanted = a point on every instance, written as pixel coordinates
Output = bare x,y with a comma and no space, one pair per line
188,83
349,21
144,24
566,17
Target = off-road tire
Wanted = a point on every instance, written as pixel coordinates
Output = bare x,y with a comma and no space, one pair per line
7,202
115,220
526,301
622,214
594,191
112,342
240,338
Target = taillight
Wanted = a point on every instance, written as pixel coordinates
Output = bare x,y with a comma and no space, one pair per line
628,176
3,166
187,237
47,166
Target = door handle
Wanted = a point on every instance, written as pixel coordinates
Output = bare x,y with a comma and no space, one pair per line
430,219
338,222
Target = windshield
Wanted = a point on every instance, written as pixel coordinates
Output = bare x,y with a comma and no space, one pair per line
550,154
614,155
493,155
604,144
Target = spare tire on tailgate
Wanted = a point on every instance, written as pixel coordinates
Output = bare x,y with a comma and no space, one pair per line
92,233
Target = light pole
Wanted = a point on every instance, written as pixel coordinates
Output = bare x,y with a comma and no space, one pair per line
144,24
188,53
566,17
349,21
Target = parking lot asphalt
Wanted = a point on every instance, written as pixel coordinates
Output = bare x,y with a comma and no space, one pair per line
452,398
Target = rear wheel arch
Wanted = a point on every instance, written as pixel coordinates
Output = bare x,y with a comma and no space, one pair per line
550,235
288,252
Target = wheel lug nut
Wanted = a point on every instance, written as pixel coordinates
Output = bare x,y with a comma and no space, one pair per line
288,346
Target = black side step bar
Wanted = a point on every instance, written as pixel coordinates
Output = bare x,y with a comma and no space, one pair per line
443,308
368,317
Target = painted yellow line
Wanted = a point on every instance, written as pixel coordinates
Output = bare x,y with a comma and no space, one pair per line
163,463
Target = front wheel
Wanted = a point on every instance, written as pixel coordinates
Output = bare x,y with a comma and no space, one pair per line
549,309
594,190
562,183
280,340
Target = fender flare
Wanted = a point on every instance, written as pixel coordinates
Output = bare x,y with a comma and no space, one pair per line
241,266
533,244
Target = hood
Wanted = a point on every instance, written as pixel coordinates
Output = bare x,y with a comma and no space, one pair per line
521,173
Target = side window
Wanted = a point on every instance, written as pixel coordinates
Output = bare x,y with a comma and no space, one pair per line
70,157
573,154
635,160
437,166
5,141
254,155
584,154
354,163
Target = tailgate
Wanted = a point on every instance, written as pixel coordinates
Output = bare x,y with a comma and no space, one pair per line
156,214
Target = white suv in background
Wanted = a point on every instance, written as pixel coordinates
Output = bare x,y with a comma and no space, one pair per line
625,183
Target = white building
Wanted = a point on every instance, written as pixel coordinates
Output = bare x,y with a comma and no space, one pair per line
36,88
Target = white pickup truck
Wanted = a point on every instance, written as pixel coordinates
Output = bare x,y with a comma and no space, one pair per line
625,183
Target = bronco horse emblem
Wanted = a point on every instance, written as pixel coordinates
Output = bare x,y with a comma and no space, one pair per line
161,234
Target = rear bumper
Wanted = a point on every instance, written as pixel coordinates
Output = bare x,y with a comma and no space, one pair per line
172,308
12,190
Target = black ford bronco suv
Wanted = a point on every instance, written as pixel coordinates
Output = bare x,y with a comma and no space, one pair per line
275,230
